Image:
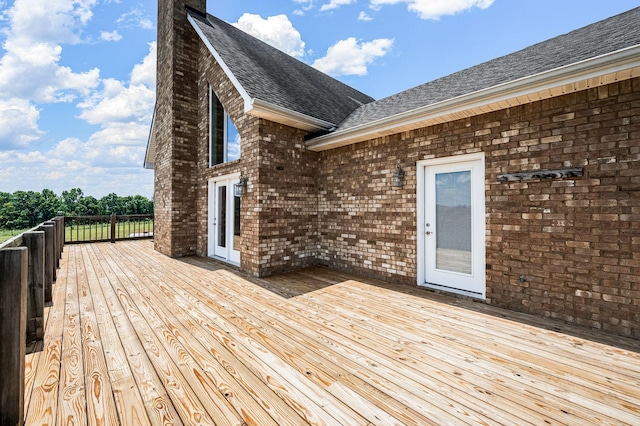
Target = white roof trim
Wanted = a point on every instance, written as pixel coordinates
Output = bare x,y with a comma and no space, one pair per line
223,65
263,109
150,153
258,107
619,65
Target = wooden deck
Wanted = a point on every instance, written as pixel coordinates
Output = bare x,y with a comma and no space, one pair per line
136,338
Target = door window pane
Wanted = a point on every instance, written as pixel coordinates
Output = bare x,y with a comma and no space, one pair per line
222,216
453,222
236,223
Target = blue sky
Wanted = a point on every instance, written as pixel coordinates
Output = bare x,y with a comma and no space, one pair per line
77,77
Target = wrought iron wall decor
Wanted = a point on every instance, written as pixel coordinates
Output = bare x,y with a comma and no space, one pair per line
541,174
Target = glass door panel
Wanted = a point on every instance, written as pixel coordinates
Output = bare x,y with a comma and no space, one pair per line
453,222
224,219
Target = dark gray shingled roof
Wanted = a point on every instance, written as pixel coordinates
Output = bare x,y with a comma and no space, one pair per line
270,75
597,39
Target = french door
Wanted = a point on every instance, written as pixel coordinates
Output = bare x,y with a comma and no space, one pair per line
224,219
451,226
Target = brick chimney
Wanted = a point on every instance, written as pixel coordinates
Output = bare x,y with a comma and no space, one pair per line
175,129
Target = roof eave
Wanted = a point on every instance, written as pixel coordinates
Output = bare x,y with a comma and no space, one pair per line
258,107
605,69
269,111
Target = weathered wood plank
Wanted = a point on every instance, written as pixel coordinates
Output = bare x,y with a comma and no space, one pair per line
101,408
238,384
72,401
182,396
30,367
43,404
184,337
34,242
322,371
245,392
128,401
14,267
49,262
157,403
294,330
53,246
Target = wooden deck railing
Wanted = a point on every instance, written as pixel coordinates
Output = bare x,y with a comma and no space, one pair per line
28,269
85,229
28,265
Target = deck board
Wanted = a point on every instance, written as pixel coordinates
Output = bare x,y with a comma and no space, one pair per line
136,338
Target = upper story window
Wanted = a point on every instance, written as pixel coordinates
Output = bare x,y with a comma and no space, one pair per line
224,139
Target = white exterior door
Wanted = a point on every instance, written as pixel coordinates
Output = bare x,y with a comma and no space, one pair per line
224,219
452,225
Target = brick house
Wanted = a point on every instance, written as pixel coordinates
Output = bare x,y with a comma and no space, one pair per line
520,177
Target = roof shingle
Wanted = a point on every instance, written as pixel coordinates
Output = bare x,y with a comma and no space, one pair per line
270,75
607,36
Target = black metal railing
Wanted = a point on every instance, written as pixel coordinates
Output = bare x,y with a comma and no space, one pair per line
89,229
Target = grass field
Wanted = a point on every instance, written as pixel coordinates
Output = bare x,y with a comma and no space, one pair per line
91,232
6,234
102,231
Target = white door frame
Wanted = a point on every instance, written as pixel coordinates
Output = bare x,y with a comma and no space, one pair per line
229,253
478,224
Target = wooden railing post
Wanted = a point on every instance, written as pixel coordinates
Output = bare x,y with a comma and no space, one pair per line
113,228
59,221
14,264
61,239
49,262
57,245
52,243
34,242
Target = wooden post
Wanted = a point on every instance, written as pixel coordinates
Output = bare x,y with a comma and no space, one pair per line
61,233
49,262
56,229
14,264
52,243
113,228
34,242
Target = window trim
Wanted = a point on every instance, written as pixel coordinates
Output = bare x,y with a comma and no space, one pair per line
225,131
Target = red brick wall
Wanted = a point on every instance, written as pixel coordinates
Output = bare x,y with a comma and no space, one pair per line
175,129
577,241
279,211
288,205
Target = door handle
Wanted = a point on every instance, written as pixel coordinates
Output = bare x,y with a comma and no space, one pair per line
429,232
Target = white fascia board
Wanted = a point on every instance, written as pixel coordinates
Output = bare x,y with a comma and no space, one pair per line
223,65
151,148
586,70
283,115
258,107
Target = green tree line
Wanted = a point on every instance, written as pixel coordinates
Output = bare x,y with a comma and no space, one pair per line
26,209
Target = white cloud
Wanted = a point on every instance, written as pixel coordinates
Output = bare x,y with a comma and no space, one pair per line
18,123
434,9
110,159
111,36
306,6
276,31
351,56
145,72
30,70
364,17
135,18
52,21
334,4
119,103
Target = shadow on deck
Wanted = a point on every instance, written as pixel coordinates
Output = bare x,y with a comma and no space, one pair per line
138,338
